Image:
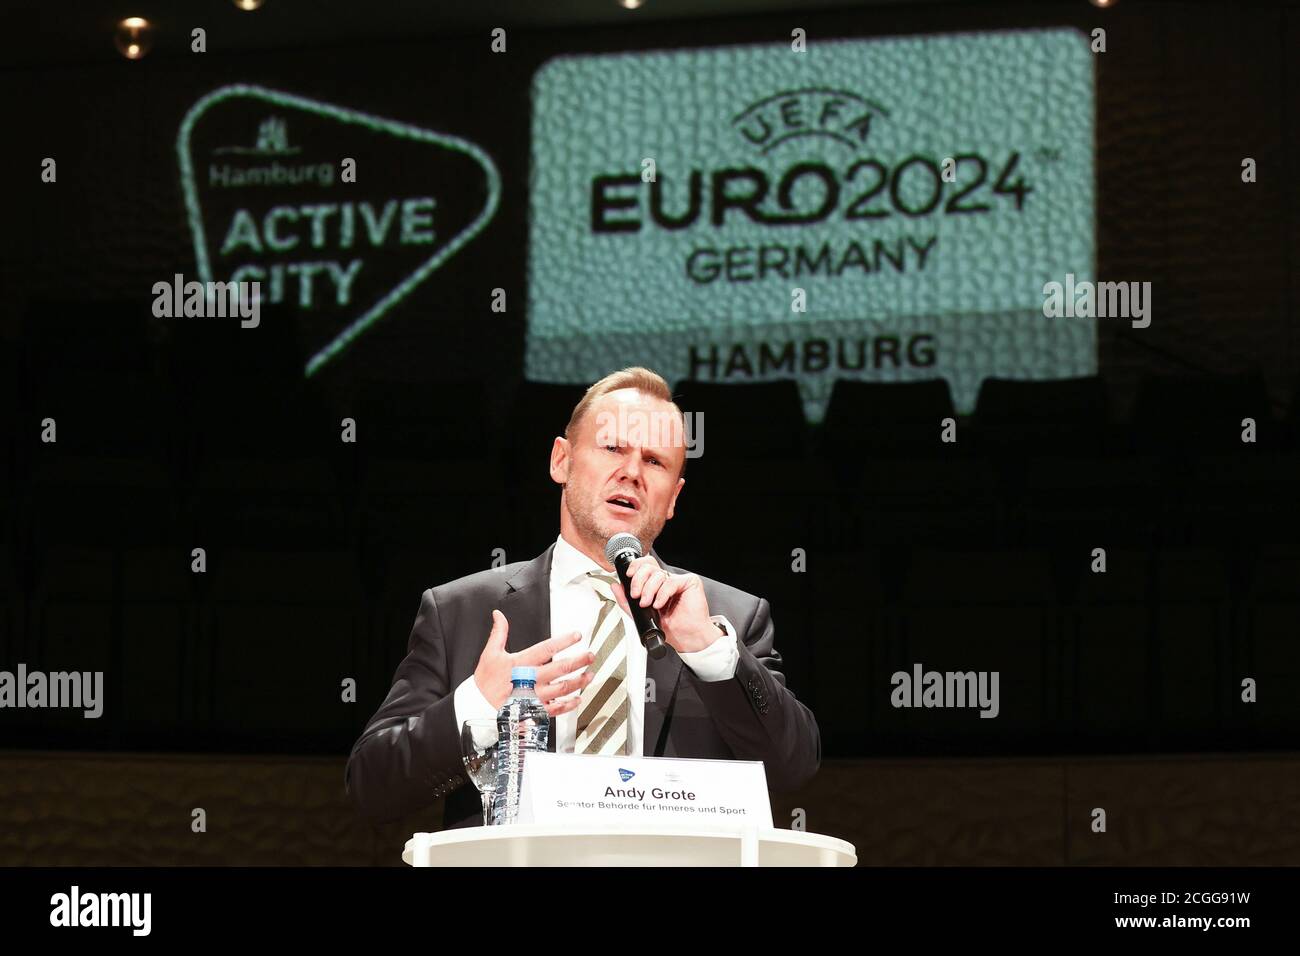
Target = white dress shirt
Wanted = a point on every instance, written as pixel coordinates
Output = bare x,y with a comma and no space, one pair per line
575,604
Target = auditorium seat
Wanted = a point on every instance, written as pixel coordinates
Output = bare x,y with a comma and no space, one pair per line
12,417
896,479
259,438
216,361
1032,418
109,474
265,470
1107,669
1191,416
1242,496
1051,446
408,431
979,610
539,413
403,576
1063,471
843,635
162,657
1114,498
755,422
280,633
1211,481
1272,657
1291,420
1246,492
395,578
769,573
753,479
12,605
1195,647
866,421
928,500
62,334
74,607
429,466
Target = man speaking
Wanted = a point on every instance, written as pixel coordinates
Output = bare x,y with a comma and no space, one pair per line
717,692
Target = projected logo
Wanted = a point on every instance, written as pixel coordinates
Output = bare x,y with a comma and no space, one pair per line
338,214
882,210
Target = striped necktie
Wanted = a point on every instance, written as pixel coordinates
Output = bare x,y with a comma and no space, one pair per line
603,707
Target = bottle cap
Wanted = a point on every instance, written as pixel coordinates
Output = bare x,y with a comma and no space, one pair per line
518,674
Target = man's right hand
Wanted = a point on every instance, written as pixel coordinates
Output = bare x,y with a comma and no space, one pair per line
554,678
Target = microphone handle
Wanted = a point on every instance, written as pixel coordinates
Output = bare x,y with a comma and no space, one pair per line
645,618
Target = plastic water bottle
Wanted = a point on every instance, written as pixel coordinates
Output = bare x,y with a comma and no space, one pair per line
522,726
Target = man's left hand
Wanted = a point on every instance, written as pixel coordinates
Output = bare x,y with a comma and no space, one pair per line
679,599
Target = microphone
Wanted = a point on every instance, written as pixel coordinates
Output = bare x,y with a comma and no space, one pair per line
620,551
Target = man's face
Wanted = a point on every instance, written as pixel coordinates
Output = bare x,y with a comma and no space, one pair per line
621,470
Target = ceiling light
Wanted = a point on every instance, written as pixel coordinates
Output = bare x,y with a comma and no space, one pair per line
133,37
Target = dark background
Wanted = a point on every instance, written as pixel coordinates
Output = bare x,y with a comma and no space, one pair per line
969,556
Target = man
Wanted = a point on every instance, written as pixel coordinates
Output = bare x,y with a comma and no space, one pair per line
718,692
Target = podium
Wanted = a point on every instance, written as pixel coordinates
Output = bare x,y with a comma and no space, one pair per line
528,844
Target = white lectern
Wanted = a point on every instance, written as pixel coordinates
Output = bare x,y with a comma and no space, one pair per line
533,844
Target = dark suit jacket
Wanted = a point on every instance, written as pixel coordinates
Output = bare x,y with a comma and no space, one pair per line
410,754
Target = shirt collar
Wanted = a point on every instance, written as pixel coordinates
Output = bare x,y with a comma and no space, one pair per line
568,564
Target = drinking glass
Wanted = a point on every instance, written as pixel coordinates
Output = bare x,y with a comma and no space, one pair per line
478,746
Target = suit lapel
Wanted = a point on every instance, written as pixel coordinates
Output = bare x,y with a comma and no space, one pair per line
527,603
527,606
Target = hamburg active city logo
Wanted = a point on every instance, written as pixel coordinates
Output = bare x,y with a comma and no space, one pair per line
272,140
338,214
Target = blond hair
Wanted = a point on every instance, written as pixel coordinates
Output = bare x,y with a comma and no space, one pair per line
635,376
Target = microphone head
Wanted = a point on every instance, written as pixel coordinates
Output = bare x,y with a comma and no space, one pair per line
622,542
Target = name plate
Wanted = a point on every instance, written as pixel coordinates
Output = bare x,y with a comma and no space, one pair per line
584,788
